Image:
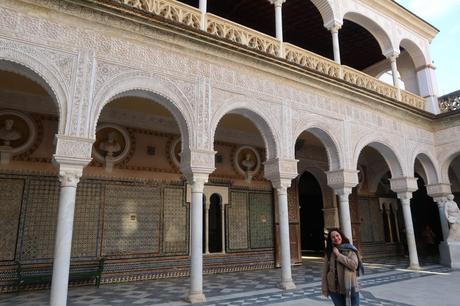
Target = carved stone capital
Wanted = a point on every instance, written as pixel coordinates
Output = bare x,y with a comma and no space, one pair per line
342,181
277,3
197,181
280,172
197,162
69,175
438,191
404,184
333,25
392,55
404,197
73,150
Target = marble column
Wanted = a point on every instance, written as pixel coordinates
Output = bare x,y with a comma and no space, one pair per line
410,236
203,5
335,42
442,218
196,272
62,249
345,219
286,276
206,222
279,22
395,74
223,227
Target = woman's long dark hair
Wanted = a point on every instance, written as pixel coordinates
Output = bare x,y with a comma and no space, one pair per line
329,244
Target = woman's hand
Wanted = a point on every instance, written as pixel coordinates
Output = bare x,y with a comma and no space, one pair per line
335,251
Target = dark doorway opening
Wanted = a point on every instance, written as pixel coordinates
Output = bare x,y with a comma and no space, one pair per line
311,215
427,226
215,224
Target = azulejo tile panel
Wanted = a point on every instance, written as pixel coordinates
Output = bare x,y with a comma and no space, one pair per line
175,222
10,210
40,218
261,220
238,221
131,220
86,221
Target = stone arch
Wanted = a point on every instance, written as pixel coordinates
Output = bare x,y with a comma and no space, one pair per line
382,36
428,165
155,88
418,56
42,72
445,164
326,10
262,121
333,149
385,149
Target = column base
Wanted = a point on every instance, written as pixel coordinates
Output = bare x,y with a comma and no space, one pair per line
414,267
195,298
288,285
450,254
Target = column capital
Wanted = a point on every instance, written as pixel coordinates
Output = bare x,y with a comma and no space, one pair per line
280,172
333,25
404,185
73,150
69,175
277,3
342,181
404,197
438,191
197,161
392,55
197,181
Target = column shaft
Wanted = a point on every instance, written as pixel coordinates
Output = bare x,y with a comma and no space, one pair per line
196,273
345,219
388,211
279,22
286,277
206,228
203,8
62,248
395,73
413,257
443,220
336,44
223,227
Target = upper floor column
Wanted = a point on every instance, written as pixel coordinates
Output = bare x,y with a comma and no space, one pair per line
281,172
334,29
428,87
203,8
404,187
279,22
393,56
343,181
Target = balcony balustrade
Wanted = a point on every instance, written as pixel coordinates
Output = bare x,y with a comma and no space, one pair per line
227,30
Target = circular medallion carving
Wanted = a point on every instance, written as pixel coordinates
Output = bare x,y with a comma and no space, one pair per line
112,141
247,161
17,131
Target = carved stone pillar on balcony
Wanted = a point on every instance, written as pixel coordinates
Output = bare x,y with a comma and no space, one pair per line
203,5
196,165
281,172
404,187
343,181
334,28
428,87
395,73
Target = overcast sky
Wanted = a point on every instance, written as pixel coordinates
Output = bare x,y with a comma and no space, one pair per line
445,48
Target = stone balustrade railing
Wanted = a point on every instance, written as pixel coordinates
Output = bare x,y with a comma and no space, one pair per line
184,14
235,32
311,60
450,102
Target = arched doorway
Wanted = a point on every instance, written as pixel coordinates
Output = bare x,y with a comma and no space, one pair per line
215,224
311,215
427,226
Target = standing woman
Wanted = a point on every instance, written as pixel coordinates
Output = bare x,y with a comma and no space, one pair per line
341,263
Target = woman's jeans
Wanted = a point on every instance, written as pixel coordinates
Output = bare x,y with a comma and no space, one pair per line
339,299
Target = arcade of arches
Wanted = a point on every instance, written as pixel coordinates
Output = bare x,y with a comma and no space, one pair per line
179,163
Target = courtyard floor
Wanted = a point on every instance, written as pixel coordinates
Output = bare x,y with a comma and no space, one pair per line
386,282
